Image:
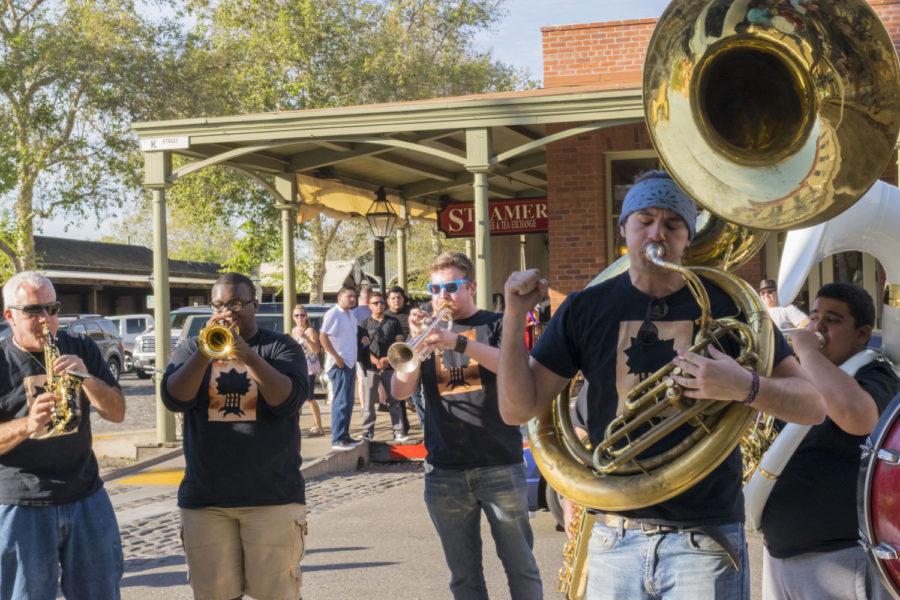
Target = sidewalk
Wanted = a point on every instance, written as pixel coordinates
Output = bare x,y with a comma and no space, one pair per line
144,496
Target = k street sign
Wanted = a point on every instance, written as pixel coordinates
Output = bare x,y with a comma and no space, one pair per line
508,217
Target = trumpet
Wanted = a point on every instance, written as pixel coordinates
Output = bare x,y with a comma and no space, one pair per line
404,356
217,341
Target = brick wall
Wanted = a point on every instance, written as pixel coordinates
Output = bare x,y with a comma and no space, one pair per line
576,184
610,52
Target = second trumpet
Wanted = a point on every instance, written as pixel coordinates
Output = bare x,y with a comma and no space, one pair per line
405,356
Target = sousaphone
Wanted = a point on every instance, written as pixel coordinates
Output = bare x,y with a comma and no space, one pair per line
772,115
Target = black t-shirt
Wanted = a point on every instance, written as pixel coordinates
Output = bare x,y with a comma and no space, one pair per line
239,451
59,467
812,507
403,317
381,335
616,336
464,429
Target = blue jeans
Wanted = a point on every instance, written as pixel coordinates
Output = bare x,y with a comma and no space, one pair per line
419,402
78,541
631,565
455,500
342,391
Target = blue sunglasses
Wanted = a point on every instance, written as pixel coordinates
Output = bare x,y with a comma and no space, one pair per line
451,286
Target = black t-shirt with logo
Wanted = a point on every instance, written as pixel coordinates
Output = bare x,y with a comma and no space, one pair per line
812,507
464,429
382,334
617,336
238,450
52,468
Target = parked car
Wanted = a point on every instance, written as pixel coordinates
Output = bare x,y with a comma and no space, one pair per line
104,332
144,353
130,327
194,323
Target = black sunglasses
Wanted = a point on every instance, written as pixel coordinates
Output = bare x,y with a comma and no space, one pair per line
304,315
36,310
377,302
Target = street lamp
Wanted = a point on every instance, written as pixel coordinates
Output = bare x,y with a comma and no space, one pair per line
381,218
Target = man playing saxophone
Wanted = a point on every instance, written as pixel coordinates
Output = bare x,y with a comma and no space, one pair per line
474,461
57,526
618,333
810,522
242,500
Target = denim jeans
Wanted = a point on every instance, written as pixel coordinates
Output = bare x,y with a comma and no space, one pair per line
628,564
342,389
455,500
73,546
418,401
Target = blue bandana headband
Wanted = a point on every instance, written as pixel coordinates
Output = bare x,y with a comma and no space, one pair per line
660,192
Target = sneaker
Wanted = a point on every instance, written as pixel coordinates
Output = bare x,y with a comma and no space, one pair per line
367,436
343,446
400,437
355,441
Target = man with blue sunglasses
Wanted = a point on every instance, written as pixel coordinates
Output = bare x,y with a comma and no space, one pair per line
474,461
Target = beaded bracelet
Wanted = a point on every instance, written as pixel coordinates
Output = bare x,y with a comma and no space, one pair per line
754,389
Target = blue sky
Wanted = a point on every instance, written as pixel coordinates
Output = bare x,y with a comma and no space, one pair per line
516,40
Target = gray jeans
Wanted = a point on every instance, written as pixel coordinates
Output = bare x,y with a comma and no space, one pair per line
838,575
371,396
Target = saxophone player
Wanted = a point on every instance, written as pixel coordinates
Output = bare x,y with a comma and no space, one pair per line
617,333
57,526
810,522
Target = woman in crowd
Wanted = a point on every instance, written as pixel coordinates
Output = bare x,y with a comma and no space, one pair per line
308,338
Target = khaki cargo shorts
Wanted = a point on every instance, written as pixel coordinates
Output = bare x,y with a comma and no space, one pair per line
255,551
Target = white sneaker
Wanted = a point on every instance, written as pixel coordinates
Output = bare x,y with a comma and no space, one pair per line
343,446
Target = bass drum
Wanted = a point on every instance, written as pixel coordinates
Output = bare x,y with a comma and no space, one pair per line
877,498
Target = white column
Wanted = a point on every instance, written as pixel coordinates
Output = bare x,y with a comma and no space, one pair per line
478,162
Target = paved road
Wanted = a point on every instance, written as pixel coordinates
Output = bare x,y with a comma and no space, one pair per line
370,537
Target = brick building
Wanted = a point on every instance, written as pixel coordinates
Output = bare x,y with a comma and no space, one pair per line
589,174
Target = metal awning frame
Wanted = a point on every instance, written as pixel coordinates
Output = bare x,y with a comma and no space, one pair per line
250,145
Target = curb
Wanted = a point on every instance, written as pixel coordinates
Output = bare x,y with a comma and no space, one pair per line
338,462
140,466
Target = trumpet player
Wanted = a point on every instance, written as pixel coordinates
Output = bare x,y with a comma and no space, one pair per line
809,522
57,526
474,462
618,333
242,499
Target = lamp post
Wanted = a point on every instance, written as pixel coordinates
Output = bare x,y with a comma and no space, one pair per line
381,218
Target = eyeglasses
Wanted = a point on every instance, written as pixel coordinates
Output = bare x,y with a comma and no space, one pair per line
234,306
451,286
36,310
377,302
301,315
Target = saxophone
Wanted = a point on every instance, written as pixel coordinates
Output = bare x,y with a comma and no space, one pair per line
67,387
572,580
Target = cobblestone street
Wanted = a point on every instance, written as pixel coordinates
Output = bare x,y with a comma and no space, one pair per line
140,410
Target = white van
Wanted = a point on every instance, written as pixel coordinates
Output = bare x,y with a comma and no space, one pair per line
131,326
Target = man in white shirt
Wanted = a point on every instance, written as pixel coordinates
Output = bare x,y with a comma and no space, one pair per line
338,337
784,317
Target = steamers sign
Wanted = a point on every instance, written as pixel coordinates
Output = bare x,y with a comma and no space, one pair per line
508,217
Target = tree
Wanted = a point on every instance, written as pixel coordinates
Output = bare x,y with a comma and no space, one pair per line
74,74
300,54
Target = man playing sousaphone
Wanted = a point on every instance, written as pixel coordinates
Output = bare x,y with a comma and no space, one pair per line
617,333
242,500
56,521
809,522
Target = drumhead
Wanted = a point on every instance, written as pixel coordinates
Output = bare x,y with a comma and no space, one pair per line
877,493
